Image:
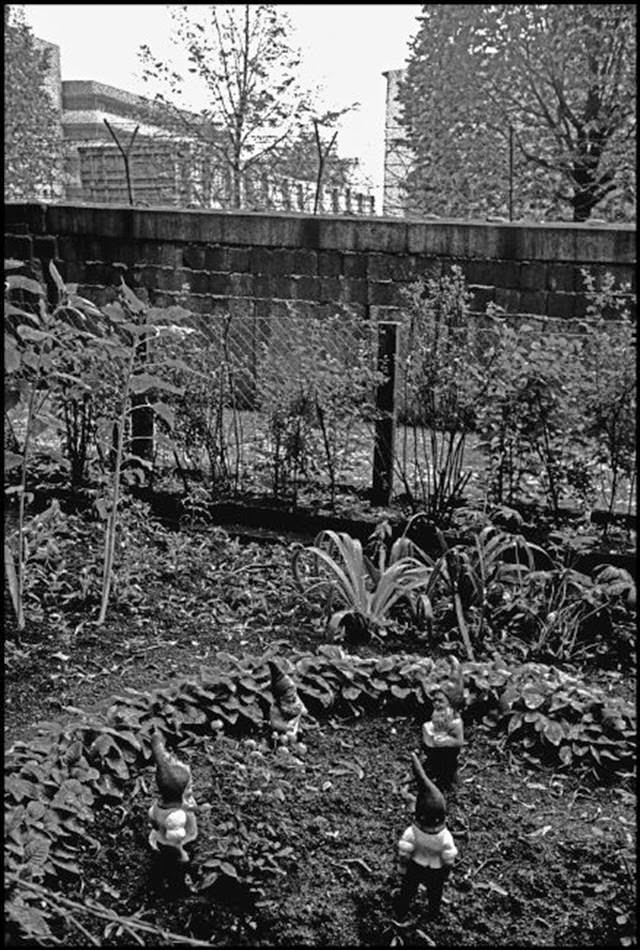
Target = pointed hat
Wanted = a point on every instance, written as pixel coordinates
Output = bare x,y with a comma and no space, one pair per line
284,691
430,804
172,776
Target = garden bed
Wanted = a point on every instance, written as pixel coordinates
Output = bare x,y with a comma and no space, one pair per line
529,869
263,519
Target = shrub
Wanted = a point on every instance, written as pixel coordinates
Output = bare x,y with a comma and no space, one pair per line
560,407
315,380
443,376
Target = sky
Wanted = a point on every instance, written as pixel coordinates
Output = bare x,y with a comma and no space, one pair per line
345,49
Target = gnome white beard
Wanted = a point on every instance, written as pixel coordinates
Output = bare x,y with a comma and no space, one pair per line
175,825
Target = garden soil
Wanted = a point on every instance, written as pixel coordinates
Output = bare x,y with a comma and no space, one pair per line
545,858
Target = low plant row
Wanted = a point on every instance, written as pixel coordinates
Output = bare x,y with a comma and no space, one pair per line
54,783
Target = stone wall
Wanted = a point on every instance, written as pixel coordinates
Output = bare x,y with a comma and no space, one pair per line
216,262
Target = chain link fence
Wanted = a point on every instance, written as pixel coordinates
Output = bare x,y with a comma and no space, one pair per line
279,404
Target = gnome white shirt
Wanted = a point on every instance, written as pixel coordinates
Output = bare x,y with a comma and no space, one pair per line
428,849
435,734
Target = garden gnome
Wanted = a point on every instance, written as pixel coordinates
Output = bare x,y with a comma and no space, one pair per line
426,851
172,815
287,709
443,735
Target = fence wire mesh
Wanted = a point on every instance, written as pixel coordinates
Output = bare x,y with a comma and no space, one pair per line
517,408
280,403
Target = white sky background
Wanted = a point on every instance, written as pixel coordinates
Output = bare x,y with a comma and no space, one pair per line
345,49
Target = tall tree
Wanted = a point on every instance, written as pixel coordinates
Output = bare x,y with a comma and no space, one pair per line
240,54
32,123
558,81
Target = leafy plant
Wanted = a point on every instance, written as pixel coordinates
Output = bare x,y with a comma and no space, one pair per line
133,326
559,416
569,724
208,423
444,375
315,405
531,421
611,406
562,614
477,577
365,592
38,342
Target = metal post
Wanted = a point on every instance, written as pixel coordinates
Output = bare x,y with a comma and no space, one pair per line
385,426
510,173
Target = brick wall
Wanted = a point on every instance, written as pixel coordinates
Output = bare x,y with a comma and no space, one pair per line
218,261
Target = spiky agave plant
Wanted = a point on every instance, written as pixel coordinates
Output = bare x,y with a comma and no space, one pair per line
363,592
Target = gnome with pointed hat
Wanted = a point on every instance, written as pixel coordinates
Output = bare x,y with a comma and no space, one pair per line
426,850
173,820
287,709
443,734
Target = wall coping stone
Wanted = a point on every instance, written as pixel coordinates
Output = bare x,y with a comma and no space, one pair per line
452,238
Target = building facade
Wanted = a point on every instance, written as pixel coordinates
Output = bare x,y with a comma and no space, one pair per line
397,156
167,164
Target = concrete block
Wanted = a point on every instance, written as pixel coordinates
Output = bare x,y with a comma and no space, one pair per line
74,272
330,289
216,258
25,217
18,247
533,301
354,265
239,260
129,253
306,288
561,305
101,274
354,291
262,286
281,264
563,277
192,256
379,267
241,285
385,294
282,287
261,260
533,275
329,263
371,235
505,274
168,278
45,248
615,244
428,268
305,262
481,296
70,248
508,299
